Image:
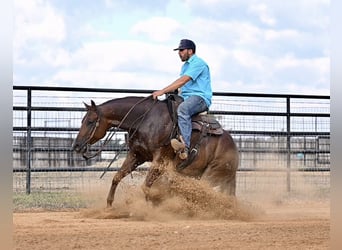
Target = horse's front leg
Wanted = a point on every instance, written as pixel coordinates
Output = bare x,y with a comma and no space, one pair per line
153,174
152,193
157,169
130,164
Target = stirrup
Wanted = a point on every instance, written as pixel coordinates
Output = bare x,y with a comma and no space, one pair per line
191,157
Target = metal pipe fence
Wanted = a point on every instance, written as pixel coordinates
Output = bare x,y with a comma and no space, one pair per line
279,134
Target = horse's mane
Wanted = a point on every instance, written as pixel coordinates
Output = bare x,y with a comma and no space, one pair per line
127,99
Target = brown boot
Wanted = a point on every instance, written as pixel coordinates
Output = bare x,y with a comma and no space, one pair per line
178,145
180,148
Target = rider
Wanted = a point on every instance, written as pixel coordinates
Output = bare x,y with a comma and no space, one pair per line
195,88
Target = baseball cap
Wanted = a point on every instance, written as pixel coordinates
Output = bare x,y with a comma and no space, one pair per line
186,44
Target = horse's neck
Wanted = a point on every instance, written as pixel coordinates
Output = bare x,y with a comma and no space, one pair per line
122,112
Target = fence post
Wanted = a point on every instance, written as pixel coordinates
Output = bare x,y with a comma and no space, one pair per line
288,143
29,142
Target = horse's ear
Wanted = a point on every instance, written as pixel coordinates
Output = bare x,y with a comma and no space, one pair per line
93,105
90,107
86,105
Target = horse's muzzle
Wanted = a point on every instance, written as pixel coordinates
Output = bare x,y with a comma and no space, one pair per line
78,148
82,149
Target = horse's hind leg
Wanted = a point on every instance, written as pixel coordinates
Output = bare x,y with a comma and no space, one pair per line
229,186
130,164
222,177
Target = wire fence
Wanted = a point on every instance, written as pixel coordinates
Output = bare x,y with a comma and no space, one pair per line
283,140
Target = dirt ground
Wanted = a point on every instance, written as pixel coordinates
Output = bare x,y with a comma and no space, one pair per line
194,217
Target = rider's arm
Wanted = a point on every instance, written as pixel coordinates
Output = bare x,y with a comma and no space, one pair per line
173,86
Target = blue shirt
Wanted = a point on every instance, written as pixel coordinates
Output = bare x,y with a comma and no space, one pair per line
200,83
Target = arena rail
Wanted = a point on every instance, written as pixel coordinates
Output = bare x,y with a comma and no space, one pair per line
293,129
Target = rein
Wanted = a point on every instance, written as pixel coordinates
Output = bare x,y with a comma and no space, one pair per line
113,132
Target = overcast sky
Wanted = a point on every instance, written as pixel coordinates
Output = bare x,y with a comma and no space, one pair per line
251,46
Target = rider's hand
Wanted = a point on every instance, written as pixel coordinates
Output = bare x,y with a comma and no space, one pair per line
157,93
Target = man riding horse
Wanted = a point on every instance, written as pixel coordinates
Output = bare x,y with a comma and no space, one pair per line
195,88
214,156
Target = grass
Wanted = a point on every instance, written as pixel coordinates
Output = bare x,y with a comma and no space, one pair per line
53,201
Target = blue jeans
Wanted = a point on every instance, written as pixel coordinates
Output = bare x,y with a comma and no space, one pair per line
189,107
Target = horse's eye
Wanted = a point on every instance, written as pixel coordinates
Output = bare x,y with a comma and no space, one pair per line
90,122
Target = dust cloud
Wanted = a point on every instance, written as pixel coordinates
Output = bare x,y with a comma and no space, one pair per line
173,197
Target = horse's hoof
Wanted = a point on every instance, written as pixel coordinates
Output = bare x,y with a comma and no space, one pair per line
109,204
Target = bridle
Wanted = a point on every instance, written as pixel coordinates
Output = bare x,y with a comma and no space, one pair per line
93,131
97,124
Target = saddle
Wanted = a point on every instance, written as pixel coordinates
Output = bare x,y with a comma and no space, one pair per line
207,122
200,122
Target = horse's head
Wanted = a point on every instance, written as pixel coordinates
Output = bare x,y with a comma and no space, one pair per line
93,128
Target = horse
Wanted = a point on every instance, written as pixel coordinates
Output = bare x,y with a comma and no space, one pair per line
150,128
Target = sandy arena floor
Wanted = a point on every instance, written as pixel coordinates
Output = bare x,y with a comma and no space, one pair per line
280,228
194,218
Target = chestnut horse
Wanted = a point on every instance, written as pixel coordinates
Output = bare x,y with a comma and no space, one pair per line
150,128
